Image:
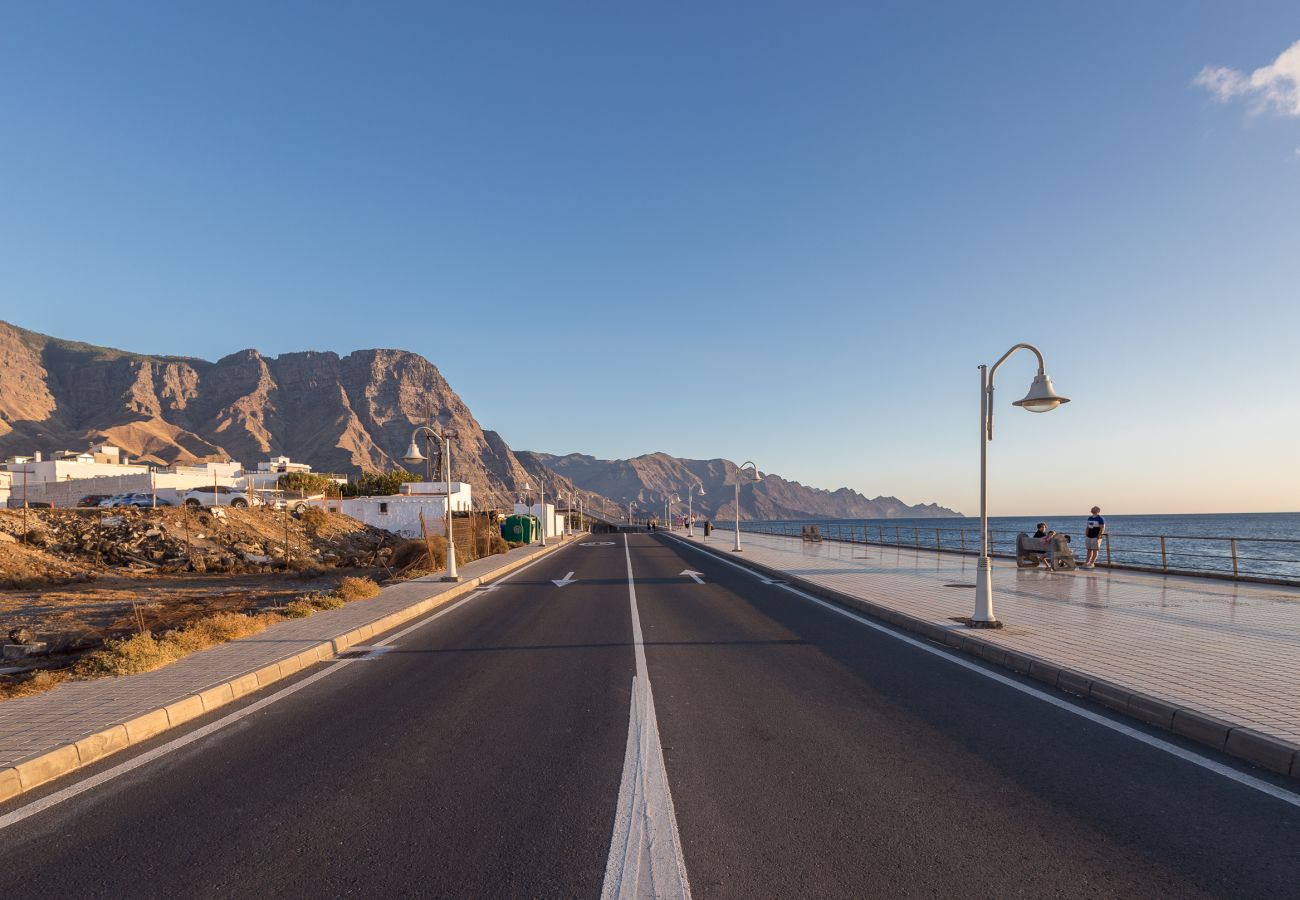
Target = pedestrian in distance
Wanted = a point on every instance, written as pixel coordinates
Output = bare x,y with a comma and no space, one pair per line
1092,532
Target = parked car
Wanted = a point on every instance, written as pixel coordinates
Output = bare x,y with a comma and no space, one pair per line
93,499
217,495
141,500
297,505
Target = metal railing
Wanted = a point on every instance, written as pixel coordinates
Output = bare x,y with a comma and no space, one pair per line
1273,560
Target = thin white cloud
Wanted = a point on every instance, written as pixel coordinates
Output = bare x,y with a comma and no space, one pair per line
1274,87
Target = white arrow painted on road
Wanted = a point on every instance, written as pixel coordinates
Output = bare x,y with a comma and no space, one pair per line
561,582
767,580
695,575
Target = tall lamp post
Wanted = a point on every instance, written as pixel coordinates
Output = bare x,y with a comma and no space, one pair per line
413,455
631,507
690,515
1042,397
757,479
568,511
668,509
541,492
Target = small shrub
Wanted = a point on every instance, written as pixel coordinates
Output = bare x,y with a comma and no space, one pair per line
356,588
299,609
32,683
413,555
127,656
143,652
327,601
314,518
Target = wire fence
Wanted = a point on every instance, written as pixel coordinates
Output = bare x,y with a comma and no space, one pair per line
1242,558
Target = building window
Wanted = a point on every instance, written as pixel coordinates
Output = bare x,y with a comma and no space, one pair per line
383,509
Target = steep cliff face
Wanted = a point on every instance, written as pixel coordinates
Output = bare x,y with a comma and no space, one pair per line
339,414
648,479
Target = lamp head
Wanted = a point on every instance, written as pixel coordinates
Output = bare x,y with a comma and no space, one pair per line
413,454
1042,397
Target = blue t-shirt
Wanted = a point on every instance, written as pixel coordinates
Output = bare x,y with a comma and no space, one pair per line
1094,526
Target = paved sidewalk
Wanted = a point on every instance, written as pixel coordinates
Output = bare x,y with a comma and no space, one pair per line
31,727
1230,650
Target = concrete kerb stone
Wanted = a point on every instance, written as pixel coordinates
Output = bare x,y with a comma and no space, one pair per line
143,727
10,784
36,772
69,757
184,710
1202,728
101,744
1243,743
1114,697
1261,749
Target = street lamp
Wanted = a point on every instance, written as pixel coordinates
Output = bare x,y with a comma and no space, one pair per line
631,507
757,479
413,455
668,509
568,511
1042,397
690,515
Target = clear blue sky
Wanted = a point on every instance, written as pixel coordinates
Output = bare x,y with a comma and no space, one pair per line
779,231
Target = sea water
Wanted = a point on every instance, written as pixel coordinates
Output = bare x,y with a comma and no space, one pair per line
1267,544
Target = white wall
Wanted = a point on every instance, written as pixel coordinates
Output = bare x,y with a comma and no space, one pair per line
552,523
462,497
398,514
68,470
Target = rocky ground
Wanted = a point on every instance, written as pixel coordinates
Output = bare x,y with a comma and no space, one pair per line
73,578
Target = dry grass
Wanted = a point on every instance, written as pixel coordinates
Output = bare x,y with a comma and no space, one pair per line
144,652
34,683
355,587
314,518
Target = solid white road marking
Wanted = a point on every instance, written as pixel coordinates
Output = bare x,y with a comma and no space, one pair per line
1182,753
566,580
645,852
80,787
694,575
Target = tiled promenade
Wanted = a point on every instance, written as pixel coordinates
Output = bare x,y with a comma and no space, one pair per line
1229,650
31,726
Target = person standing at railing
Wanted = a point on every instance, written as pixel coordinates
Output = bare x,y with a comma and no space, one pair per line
1093,529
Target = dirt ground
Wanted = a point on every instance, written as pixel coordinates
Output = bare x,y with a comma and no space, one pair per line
80,616
73,578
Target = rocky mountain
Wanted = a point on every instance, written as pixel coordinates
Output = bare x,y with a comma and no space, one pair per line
648,479
340,414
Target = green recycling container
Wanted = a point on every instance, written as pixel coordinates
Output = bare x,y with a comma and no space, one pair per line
520,529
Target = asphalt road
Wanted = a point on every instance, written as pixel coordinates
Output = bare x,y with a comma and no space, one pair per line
807,755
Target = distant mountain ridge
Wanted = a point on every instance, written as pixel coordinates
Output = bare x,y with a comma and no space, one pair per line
647,480
340,414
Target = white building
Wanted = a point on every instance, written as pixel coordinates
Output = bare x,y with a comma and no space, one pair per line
68,465
104,470
552,522
400,513
5,481
462,498
268,473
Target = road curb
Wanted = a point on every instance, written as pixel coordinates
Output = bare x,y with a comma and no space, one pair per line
1244,743
32,773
